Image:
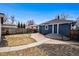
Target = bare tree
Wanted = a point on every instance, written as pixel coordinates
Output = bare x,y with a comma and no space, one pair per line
77,21
30,22
4,19
12,19
78,18
62,16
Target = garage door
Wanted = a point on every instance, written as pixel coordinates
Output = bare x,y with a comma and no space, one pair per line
64,29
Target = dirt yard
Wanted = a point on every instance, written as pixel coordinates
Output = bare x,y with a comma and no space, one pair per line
50,47
60,49
46,50
35,51
16,40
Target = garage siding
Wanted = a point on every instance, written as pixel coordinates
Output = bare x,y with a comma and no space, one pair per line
44,31
64,29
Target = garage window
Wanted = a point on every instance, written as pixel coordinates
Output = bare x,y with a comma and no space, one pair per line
46,27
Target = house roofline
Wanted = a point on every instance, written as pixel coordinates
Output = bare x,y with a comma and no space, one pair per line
51,22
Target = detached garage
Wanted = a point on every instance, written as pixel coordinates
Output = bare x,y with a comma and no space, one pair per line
56,26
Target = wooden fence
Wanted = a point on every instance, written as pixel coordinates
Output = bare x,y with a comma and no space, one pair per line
74,35
9,31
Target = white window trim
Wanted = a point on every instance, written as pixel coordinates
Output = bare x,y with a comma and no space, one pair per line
53,29
46,27
57,28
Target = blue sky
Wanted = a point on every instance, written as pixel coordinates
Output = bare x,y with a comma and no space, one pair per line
39,12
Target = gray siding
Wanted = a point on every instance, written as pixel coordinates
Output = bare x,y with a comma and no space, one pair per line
64,29
43,31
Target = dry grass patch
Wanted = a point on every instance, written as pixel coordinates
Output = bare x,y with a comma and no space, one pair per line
60,49
35,51
21,39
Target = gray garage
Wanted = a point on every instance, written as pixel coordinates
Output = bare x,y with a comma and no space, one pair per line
55,26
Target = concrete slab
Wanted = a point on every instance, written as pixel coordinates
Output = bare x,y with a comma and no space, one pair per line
57,36
39,37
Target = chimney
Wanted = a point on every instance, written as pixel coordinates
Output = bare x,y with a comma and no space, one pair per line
58,17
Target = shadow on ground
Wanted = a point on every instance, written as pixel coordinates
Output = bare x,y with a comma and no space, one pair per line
3,43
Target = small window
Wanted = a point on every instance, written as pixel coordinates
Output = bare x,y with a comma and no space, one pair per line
46,27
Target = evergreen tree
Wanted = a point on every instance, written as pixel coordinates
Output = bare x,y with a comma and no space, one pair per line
21,25
18,24
24,25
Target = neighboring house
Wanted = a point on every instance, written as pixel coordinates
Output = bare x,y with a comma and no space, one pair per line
2,18
12,29
76,26
31,26
8,28
56,26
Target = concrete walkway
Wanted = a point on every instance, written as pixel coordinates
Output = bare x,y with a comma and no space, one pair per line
39,37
